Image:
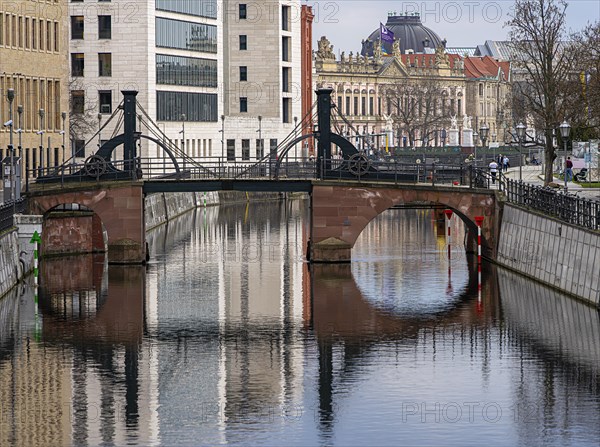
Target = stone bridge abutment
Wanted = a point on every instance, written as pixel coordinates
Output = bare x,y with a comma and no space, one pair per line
119,206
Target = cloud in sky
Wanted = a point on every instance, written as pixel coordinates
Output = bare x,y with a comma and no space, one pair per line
463,23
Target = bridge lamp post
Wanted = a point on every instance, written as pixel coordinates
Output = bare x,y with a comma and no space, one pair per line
63,116
494,136
222,137
183,148
10,95
484,132
475,137
565,131
41,113
260,136
295,136
521,130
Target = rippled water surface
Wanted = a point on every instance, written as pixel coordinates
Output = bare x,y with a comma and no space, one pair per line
227,337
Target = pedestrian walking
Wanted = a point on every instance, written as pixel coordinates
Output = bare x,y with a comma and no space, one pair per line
569,169
505,163
493,170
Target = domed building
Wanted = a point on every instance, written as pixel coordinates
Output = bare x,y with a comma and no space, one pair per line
413,36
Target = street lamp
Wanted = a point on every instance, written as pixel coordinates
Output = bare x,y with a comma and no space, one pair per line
10,95
261,153
20,129
63,115
99,130
484,132
295,133
565,131
521,130
475,137
183,148
42,114
494,136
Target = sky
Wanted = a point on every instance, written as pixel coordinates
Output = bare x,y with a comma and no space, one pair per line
463,23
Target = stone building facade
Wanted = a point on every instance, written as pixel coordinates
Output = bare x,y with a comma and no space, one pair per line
33,62
210,73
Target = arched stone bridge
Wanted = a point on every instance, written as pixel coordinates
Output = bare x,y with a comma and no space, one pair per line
340,210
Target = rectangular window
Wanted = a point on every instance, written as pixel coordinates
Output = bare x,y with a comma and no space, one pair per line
285,48
287,110
243,73
1,29
339,104
459,106
199,8
363,105
76,27
104,27
186,35
378,106
77,101
273,148
186,71
79,148
104,64
41,36
56,37
371,106
286,76
20,32
260,148
285,18
245,149
34,34
348,106
77,64
26,32
356,105
243,11
49,32
105,101
243,104
197,107
243,42
230,150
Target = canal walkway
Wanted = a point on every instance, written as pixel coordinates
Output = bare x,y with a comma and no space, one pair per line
534,175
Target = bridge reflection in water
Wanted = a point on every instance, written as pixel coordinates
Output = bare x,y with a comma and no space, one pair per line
227,337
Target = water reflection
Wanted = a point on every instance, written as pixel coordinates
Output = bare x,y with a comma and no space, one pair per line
228,338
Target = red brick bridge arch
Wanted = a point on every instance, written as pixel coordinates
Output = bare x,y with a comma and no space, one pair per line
119,206
340,212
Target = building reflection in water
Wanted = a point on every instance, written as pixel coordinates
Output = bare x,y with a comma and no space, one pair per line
228,337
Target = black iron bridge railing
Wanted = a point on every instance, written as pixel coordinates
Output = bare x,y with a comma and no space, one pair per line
96,169
8,211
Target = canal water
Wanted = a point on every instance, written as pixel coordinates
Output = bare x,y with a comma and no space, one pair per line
228,337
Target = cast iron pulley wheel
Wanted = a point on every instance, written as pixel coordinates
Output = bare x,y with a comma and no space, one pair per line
358,164
95,166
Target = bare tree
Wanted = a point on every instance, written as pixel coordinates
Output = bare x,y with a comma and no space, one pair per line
419,108
541,52
83,120
587,44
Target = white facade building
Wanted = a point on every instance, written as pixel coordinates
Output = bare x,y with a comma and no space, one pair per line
224,68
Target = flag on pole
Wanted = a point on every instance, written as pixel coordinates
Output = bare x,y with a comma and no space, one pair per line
386,34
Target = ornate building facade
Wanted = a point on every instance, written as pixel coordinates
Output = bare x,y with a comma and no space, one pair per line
399,97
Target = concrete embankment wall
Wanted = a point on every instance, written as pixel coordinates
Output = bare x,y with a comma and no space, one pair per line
555,253
10,268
